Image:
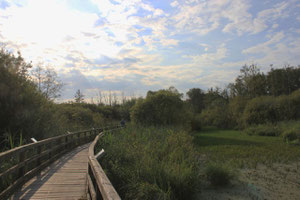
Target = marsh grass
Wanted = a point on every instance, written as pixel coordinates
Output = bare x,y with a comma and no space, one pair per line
237,149
218,174
151,163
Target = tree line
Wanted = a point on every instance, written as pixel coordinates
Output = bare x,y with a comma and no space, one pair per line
28,109
253,98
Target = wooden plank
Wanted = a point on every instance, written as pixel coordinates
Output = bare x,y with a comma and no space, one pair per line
91,188
61,180
8,191
102,182
75,175
27,161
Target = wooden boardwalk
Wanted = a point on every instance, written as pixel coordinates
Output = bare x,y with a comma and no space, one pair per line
63,179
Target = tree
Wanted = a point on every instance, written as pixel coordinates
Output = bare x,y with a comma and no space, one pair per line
163,107
47,82
284,80
196,99
79,97
24,111
251,83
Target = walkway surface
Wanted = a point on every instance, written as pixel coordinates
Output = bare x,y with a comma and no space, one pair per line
64,179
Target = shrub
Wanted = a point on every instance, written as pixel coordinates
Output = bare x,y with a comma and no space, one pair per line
295,101
216,116
196,123
163,107
236,108
151,163
260,110
75,117
264,130
267,109
291,135
218,175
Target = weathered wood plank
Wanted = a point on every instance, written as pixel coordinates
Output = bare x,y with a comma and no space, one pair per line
91,188
103,184
61,180
52,182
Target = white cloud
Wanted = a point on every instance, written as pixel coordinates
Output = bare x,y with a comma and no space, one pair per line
169,42
279,50
264,47
203,17
274,26
119,45
174,4
209,59
49,29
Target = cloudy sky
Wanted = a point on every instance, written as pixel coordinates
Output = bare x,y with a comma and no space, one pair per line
133,46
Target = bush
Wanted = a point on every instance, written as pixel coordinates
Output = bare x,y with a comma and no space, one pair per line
75,117
218,175
216,116
163,107
295,101
267,109
236,108
151,163
291,135
260,110
196,123
264,130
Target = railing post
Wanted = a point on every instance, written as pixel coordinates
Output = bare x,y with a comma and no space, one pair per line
22,169
50,147
78,135
58,149
39,151
66,142
85,137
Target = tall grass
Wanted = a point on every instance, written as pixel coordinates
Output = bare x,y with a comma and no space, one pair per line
151,163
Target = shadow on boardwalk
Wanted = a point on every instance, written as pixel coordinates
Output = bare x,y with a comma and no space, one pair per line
63,179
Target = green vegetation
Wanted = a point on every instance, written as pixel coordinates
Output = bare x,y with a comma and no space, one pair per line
218,175
264,130
164,107
151,163
237,149
292,135
28,108
158,156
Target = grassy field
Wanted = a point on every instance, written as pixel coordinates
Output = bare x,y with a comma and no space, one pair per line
237,149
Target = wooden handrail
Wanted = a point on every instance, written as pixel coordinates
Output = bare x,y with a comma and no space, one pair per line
99,186
26,161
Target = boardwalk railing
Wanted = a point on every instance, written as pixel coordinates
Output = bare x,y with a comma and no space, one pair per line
99,186
20,164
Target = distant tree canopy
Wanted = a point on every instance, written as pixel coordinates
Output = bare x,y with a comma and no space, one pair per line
163,107
252,83
254,98
283,81
196,99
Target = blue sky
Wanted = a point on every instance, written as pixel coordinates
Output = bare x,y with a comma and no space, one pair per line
133,46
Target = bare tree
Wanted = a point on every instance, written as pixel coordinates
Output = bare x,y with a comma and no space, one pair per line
79,97
115,99
123,98
110,98
47,81
99,98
